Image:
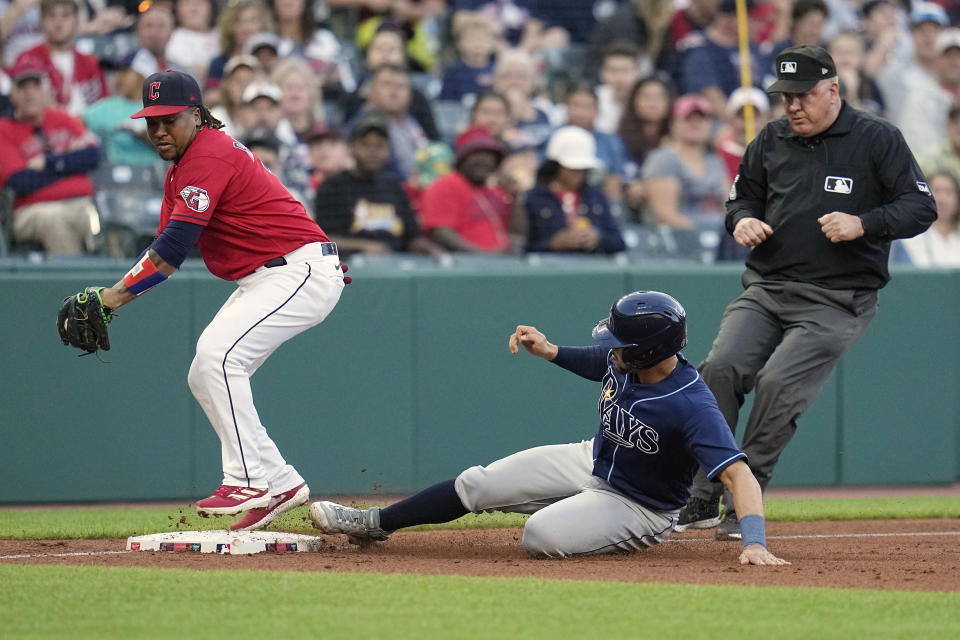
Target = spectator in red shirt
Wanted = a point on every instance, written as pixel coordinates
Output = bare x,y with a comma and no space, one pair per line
76,78
44,157
461,211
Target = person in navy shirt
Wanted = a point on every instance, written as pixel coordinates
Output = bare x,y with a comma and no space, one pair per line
472,72
619,491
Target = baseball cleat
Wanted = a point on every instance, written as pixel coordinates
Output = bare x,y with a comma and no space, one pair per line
279,503
729,528
229,500
362,526
699,514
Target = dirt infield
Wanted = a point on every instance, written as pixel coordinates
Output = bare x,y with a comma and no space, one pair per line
921,555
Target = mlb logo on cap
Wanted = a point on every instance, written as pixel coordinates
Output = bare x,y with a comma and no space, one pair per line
800,68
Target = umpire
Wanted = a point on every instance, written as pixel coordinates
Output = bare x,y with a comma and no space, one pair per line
820,194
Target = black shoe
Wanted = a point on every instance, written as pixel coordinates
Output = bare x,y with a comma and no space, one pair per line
699,514
729,528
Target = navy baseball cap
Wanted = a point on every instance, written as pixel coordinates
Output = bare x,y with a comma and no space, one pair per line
800,68
169,92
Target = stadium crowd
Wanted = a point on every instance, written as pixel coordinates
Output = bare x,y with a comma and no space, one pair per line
437,126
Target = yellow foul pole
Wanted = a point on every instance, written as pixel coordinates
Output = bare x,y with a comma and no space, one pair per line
746,81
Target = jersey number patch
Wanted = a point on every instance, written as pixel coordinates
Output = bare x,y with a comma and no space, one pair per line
196,198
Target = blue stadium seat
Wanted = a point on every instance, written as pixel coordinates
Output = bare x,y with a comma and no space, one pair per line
451,117
427,84
661,243
128,199
109,48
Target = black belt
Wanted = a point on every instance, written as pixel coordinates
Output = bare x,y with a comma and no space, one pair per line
326,248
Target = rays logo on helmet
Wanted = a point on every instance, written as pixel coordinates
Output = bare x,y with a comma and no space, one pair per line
196,198
922,186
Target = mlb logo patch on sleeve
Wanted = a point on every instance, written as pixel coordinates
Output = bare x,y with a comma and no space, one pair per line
838,184
196,198
922,186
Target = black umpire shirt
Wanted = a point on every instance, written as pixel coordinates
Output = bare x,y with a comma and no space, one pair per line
860,165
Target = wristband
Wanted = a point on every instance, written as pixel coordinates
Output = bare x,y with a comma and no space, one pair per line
142,276
752,531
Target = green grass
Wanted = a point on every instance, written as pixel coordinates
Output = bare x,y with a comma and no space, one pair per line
100,602
120,522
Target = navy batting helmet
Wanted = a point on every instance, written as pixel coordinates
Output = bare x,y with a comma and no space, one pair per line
651,326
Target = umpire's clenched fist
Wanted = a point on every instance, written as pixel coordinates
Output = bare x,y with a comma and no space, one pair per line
750,232
533,341
841,227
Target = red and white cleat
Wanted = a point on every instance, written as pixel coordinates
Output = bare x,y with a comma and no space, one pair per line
229,500
280,503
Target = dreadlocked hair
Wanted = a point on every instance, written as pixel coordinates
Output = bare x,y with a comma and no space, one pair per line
207,119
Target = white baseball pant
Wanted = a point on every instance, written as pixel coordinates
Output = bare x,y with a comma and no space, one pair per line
270,306
574,511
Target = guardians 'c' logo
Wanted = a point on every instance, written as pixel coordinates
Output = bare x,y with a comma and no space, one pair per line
196,198
154,90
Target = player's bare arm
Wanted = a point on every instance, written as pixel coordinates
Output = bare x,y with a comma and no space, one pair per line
841,227
750,232
748,501
533,341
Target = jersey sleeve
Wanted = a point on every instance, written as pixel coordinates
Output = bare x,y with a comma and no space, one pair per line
588,362
711,442
909,207
748,194
198,187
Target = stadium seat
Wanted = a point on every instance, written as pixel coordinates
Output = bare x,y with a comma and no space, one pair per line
662,243
9,246
451,117
427,84
128,199
109,48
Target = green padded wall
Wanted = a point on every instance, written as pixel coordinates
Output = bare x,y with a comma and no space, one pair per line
410,381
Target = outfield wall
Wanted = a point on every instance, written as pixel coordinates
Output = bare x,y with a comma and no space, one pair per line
410,381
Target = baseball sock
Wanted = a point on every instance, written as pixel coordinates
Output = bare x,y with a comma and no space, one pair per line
436,504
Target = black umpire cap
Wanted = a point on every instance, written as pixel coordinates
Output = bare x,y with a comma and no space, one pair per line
800,68
169,92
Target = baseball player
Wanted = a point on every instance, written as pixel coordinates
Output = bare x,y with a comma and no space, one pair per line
623,489
219,196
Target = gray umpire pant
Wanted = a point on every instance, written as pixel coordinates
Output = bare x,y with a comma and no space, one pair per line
782,339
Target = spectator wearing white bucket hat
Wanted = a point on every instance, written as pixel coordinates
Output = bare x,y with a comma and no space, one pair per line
563,212
732,140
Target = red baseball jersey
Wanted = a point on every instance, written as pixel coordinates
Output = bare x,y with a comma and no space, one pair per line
87,75
20,141
247,215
